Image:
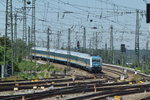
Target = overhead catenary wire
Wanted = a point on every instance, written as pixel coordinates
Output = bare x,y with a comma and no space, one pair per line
82,14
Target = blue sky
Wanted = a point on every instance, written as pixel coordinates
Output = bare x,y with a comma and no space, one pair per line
85,13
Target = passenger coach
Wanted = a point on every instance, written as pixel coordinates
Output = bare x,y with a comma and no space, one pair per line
82,60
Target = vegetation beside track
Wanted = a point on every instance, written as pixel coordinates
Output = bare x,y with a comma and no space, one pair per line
23,69
32,70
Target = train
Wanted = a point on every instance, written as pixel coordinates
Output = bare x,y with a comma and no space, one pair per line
76,59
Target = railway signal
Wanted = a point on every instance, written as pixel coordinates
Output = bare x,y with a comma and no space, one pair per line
123,48
28,2
148,13
78,45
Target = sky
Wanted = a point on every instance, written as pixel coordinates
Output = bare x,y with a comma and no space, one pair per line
59,15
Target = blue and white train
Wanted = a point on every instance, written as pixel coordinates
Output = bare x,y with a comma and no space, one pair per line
82,60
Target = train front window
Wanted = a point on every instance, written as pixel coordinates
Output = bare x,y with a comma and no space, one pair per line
96,60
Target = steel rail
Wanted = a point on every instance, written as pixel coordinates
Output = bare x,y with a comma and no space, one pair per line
79,89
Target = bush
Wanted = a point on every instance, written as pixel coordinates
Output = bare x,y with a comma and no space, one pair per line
32,66
26,66
138,68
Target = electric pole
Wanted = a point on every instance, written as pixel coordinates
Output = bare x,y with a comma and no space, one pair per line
24,38
58,39
15,28
29,35
147,43
68,50
96,41
48,38
84,40
137,38
90,45
15,35
29,41
106,53
111,45
48,44
33,35
8,33
93,44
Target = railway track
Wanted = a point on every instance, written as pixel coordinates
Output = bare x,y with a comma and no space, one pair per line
25,84
115,74
53,82
101,91
103,95
47,83
128,71
97,84
53,76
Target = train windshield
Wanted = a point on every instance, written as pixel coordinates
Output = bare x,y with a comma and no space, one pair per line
96,60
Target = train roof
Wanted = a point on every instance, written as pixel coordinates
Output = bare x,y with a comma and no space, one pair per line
96,57
83,55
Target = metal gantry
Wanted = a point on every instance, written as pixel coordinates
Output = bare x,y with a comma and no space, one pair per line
48,39
84,40
48,43
96,41
8,34
24,38
137,37
15,35
111,45
15,28
33,35
58,39
68,49
29,41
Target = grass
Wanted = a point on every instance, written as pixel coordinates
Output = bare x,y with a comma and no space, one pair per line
31,70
